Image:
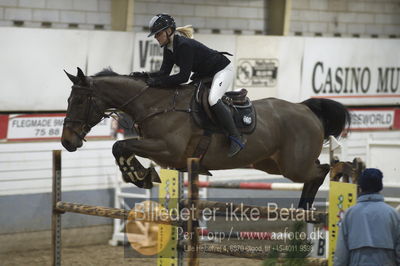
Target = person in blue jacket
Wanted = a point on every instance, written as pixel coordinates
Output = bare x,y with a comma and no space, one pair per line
193,56
369,233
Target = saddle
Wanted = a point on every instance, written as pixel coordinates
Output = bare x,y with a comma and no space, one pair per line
242,110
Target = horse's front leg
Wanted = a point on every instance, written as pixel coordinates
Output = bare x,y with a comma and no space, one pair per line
132,170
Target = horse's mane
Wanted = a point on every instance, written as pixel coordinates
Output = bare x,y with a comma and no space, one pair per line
106,72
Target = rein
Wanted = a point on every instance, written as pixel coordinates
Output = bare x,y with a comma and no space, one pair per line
171,109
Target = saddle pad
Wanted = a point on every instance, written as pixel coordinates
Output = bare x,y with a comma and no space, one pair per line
244,116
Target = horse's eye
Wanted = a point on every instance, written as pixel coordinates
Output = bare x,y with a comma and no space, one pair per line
77,100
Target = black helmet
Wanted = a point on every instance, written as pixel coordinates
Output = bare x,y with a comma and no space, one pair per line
161,22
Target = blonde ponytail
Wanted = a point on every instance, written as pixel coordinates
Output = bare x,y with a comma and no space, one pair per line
186,31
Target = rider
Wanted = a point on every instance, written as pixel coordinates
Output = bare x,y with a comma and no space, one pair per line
193,56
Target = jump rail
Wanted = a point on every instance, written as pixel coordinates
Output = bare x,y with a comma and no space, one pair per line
108,212
250,185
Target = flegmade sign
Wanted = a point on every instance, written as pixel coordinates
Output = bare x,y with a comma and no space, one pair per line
256,72
39,127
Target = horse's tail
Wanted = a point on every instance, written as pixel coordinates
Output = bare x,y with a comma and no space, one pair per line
334,116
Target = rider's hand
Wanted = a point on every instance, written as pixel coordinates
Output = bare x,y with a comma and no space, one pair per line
139,74
154,82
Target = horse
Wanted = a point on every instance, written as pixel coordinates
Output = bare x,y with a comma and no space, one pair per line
287,140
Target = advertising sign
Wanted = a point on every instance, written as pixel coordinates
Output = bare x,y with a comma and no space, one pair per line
375,119
269,66
352,71
35,127
257,72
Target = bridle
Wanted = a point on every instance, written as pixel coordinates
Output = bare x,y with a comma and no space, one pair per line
92,105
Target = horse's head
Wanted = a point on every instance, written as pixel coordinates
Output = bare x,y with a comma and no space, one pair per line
85,110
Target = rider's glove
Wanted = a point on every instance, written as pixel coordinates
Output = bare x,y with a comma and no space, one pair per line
154,82
139,74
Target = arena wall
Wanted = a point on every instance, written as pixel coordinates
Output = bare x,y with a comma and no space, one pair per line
225,17
59,14
353,71
33,61
339,18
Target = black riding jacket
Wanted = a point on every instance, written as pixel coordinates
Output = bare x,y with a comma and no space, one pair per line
191,56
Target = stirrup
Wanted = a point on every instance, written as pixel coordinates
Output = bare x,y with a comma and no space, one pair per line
238,141
236,146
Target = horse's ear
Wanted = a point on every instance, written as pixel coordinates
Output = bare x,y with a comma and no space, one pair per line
80,74
74,79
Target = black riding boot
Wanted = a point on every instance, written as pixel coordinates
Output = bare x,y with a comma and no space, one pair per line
226,121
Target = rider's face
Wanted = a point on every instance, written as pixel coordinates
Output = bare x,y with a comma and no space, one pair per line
162,37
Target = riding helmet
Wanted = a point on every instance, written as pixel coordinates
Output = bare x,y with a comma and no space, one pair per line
161,22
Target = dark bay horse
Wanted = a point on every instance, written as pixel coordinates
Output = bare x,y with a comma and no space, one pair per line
287,140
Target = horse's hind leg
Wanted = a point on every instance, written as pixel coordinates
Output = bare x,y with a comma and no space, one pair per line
310,188
268,165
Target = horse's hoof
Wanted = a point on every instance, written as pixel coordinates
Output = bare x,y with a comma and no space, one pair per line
141,179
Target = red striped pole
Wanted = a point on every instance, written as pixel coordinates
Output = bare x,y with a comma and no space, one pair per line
250,185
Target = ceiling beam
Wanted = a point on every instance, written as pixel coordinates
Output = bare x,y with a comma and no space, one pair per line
122,15
277,16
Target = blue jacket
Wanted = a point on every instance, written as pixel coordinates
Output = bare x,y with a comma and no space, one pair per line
369,234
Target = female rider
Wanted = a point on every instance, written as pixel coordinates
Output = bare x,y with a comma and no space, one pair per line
193,56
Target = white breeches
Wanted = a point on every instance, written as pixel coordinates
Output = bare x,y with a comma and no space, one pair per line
222,81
